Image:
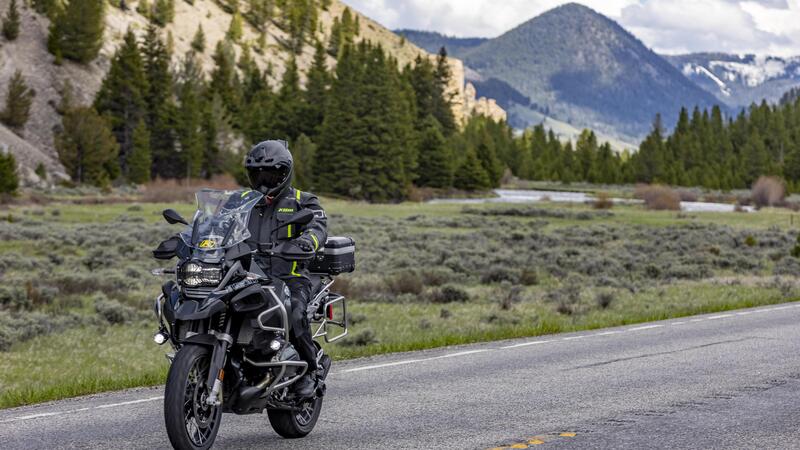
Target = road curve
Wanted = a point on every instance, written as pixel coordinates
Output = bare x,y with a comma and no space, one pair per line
727,380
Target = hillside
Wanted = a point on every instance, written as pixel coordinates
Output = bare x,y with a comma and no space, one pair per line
740,80
432,41
28,53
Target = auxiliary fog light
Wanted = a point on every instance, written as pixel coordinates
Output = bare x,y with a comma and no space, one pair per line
160,338
275,345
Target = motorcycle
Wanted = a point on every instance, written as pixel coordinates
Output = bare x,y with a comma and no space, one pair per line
229,324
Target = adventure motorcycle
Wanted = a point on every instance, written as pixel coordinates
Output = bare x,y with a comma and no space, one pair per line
229,322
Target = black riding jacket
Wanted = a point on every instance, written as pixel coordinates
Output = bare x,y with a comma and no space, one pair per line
265,221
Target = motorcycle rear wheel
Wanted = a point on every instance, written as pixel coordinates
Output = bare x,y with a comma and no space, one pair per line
296,424
191,423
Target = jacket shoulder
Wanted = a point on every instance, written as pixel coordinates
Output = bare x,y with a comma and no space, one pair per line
303,197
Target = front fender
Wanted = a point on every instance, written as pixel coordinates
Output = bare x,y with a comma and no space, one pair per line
201,339
192,310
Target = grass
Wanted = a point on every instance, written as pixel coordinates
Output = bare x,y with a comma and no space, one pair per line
629,267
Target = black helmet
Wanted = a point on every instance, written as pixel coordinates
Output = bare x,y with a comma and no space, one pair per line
269,167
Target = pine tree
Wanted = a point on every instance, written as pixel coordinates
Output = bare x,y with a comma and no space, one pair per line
337,169
586,152
76,33
317,86
11,21
140,161
470,175
435,168
9,180
86,147
19,98
46,7
224,79
444,105
190,89
199,40
163,12
122,96
161,109
303,152
235,29
287,116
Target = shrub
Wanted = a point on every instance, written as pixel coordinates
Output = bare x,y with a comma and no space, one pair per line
449,294
658,197
768,191
512,296
407,282
113,311
603,201
497,275
750,241
529,277
604,299
362,338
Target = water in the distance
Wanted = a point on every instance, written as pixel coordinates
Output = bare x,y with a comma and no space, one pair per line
534,196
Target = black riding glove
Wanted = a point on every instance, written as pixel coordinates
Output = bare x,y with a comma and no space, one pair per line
304,243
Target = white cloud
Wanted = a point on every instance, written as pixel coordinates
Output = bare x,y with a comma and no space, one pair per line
670,26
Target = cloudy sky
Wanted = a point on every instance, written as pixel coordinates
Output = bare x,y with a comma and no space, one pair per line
669,26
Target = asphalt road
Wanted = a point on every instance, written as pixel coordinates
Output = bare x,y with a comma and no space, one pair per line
728,380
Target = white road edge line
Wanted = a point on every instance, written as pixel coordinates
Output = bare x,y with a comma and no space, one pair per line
646,327
525,344
61,413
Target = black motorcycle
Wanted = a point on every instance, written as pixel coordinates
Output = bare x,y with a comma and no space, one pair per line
229,324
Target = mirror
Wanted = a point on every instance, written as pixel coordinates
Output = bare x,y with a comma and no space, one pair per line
172,217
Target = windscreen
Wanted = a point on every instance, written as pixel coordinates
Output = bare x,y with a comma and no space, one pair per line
221,219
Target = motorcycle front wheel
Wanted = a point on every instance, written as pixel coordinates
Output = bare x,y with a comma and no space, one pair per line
191,423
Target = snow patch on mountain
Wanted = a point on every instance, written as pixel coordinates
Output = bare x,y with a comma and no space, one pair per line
752,73
690,69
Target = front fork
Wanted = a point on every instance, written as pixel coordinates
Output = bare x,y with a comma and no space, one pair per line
216,371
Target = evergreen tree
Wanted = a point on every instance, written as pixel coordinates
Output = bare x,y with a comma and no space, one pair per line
260,12
586,152
161,110
163,12
235,29
11,21
470,175
19,98
303,153
443,107
435,168
9,180
123,95
46,7
86,147
287,116
224,79
199,40
337,169
140,160
190,89
317,85
76,33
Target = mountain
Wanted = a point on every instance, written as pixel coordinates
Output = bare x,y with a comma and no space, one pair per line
432,41
740,80
577,66
28,53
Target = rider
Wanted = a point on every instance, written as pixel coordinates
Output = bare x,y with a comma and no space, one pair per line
269,169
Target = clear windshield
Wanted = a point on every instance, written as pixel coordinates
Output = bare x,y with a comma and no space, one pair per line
221,219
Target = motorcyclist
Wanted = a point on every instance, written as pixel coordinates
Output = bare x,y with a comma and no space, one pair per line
269,168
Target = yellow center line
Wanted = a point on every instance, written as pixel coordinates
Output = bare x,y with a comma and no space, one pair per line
568,434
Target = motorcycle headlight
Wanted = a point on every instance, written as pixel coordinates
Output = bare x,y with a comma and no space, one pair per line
196,275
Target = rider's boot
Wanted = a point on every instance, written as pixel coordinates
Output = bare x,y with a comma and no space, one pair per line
304,387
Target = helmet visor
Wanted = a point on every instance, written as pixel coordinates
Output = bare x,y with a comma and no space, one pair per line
267,177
